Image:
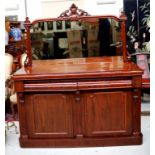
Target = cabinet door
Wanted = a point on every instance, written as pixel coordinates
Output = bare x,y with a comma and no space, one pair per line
49,115
107,113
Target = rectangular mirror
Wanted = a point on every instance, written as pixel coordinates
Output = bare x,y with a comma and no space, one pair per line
85,37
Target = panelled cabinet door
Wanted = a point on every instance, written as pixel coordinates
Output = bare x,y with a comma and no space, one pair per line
49,115
107,113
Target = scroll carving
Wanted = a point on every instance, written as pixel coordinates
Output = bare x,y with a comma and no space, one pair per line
27,23
73,11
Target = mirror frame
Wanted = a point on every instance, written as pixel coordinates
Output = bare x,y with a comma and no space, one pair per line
73,13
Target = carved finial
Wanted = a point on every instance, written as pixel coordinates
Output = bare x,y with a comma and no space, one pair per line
27,20
27,23
73,6
28,61
73,11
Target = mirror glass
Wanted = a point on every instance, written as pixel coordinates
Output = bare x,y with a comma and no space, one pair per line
87,37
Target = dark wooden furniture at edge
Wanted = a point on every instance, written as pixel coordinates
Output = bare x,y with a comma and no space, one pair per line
79,102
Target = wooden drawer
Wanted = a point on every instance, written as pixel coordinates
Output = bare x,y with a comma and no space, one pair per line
104,84
52,87
73,86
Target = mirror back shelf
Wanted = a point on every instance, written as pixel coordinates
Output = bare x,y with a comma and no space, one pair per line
75,34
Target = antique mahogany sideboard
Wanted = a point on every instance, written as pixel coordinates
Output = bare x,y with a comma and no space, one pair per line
77,102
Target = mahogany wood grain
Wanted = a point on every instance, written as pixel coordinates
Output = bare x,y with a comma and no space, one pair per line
28,61
89,142
79,102
110,113
75,14
52,118
78,67
123,36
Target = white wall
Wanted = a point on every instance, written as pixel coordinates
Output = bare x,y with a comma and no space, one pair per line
15,7
34,10
53,8
103,9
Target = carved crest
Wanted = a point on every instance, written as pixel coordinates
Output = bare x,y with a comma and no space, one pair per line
73,12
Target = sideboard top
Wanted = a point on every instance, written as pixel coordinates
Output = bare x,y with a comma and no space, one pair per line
78,68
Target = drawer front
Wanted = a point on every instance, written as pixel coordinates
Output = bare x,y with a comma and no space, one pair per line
112,84
46,87
74,86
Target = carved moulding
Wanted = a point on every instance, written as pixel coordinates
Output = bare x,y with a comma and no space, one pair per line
73,11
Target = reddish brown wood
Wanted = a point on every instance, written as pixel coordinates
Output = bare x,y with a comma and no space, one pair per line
77,68
73,11
50,87
89,142
105,84
110,112
22,116
74,14
79,102
137,83
85,18
51,119
19,86
28,61
78,117
123,18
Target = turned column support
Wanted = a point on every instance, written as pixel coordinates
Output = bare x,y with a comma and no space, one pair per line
28,61
123,19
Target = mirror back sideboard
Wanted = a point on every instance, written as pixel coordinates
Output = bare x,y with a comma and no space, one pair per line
76,34
78,101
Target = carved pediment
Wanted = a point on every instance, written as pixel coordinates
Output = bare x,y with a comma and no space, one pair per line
73,11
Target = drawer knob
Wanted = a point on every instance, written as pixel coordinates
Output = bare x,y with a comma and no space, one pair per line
77,96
